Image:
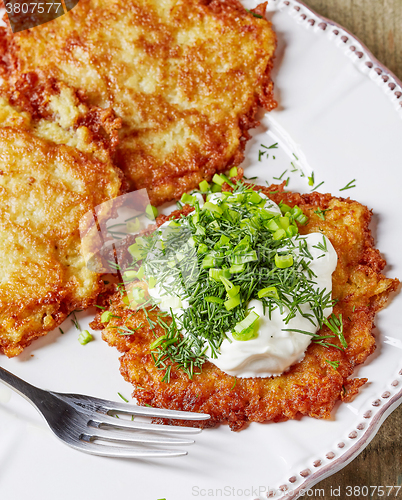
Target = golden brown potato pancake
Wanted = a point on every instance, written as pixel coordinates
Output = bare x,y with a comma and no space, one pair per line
185,77
54,167
310,387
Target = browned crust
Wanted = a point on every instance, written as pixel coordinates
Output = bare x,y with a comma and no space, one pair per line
310,387
52,290
165,175
62,304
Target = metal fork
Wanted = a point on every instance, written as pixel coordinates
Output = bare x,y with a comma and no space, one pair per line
80,421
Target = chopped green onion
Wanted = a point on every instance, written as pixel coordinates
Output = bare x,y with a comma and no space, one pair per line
202,248
85,337
187,199
232,303
279,234
285,208
224,240
129,275
233,172
302,219
204,186
209,261
217,179
228,181
133,226
151,212
283,261
231,289
269,291
245,257
212,208
135,251
106,316
214,300
255,198
216,274
246,329
237,268
151,282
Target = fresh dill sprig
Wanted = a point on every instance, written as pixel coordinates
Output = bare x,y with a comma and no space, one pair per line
280,177
349,185
272,146
122,397
321,213
259,16
322,246
334,364
317,186
336,326
74,321
184,257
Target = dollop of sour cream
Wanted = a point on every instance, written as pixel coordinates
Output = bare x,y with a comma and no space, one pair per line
274,350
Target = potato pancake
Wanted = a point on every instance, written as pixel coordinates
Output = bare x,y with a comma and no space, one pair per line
54,167
185,76
310,387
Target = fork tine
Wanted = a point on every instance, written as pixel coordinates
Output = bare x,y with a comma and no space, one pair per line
130,437
112,451
133,425
105,406
145,411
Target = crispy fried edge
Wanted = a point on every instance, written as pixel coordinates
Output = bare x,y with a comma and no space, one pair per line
31,94
189,395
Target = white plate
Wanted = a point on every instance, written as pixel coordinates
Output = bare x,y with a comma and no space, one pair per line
340,114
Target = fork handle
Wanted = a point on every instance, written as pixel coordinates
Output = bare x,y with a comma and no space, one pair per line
26,390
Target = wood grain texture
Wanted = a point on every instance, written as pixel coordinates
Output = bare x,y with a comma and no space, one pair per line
378,24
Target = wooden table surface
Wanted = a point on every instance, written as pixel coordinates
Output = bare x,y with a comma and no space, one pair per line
378,24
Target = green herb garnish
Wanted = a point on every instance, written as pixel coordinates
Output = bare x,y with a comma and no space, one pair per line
218,258
255,14
334,364
317,186
85,337
321,213
349,185
122,397
74,321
